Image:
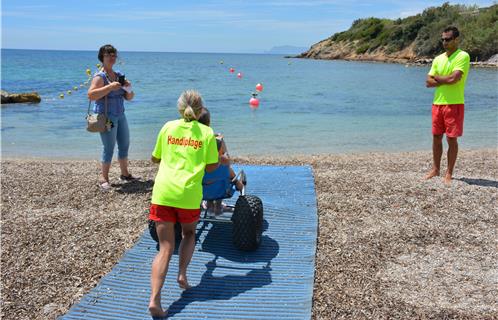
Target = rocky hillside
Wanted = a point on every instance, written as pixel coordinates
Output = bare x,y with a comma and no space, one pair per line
415,38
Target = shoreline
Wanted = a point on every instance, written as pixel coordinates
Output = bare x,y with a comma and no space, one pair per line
248,157
407,62
389,244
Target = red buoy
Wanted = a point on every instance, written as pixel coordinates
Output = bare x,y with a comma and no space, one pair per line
254,102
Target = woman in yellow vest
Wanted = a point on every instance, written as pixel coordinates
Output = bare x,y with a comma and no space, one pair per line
184,149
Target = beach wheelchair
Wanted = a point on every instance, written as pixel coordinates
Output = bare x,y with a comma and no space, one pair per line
246,216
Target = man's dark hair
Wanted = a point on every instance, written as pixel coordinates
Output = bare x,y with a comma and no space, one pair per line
205,117
454,31
106,49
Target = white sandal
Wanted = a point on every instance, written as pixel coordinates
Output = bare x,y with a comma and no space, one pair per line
105,186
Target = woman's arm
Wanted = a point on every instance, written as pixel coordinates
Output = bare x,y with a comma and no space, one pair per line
98,90
128,95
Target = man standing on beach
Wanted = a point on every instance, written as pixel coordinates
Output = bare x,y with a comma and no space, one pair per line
448,75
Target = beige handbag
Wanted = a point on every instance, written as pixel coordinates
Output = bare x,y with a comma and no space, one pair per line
96,122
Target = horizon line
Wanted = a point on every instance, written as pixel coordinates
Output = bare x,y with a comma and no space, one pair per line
139,51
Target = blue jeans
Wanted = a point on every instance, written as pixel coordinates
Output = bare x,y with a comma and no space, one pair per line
120,134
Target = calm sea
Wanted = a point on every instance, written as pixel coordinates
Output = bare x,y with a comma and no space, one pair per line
307,106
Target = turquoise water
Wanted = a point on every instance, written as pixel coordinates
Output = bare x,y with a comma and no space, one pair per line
307,106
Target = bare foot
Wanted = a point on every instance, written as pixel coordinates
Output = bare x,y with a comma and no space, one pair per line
218,207
183,282
209,205
156,311
447,179
433,173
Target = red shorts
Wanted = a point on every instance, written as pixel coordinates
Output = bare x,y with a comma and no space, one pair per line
171,214
447,119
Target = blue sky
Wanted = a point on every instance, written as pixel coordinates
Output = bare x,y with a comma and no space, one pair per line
189,26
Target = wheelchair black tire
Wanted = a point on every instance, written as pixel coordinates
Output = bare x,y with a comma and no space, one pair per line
153,232
247,221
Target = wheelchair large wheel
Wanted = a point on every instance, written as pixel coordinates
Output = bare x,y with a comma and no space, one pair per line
153,232
247,221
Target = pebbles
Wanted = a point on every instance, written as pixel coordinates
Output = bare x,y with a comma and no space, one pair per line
390,245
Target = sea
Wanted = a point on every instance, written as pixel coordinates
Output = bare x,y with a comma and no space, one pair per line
306,106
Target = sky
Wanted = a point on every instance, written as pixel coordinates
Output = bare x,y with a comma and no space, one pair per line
230,26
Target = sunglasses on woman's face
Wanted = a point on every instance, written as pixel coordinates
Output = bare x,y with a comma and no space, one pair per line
112,55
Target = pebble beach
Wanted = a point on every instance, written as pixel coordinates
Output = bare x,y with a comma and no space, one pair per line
390,246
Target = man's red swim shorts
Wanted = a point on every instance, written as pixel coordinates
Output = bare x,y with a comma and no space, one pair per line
447,119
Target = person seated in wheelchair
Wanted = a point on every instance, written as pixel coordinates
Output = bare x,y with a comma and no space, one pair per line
222,182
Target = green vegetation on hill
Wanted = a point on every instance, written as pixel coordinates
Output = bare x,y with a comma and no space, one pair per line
478,31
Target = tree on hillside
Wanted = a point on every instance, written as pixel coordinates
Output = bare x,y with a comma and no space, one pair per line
478,27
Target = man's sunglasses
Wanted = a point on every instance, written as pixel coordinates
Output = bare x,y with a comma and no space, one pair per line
447,39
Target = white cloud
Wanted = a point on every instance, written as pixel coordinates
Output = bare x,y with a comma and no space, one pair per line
408,13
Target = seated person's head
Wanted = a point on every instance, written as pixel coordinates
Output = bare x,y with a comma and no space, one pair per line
220,143
205,117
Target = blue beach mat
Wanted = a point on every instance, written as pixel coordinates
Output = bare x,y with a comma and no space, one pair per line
274,282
